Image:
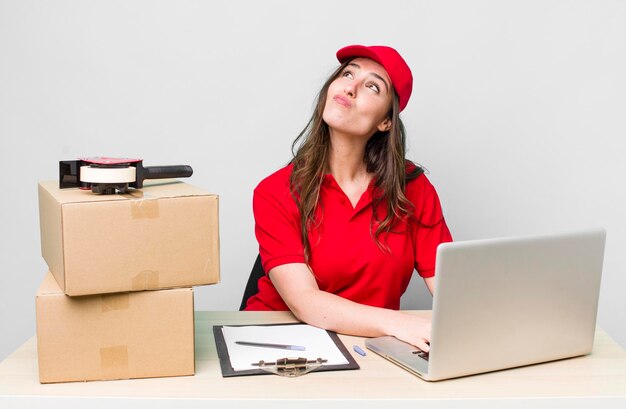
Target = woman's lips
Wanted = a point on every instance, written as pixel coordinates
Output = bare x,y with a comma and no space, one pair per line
341,100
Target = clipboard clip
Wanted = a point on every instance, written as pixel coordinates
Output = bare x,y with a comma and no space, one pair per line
290,367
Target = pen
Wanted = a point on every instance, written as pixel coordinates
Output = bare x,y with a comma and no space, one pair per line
358,350
266,345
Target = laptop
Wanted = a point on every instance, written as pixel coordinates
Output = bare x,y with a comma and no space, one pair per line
507,302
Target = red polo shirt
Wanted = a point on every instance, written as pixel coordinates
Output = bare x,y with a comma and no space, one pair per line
345,259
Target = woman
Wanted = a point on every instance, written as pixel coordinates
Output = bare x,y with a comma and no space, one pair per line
343,226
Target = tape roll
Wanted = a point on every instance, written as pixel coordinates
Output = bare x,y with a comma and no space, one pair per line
107,175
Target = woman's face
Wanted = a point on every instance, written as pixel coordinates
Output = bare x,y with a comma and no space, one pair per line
359,99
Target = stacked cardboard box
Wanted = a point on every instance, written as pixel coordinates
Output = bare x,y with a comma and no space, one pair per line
117,302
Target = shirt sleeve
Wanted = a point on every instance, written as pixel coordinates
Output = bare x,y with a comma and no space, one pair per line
431,228
277,223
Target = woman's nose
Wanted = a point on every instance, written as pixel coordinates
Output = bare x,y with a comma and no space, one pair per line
350,89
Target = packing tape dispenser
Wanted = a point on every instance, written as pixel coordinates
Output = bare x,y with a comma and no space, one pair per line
103,175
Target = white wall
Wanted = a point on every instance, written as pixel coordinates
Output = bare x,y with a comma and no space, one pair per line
517,111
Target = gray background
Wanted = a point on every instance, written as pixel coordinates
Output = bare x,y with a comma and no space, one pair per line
517,112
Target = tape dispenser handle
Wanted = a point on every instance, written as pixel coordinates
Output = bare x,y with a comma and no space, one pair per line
161,172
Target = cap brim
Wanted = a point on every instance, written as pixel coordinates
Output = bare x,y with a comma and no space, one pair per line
353,51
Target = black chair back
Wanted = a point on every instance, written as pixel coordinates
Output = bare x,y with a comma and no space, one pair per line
252,287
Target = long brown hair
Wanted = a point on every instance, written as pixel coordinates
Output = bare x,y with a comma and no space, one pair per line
384,158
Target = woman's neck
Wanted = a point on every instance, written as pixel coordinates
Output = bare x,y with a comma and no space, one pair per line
346,159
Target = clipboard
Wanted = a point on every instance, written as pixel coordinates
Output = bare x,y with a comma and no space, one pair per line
227,367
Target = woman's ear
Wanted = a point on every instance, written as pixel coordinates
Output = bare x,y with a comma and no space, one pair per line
385,125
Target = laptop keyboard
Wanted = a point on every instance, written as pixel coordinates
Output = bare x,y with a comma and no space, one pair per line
421,354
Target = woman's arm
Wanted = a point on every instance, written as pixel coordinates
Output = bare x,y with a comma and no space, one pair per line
297,286
430,283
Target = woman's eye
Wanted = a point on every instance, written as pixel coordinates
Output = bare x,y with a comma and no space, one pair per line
347,74
373,87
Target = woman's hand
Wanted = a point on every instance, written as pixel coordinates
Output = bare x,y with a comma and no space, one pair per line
412,329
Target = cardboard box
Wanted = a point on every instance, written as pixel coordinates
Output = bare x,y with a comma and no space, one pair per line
114,336
162,236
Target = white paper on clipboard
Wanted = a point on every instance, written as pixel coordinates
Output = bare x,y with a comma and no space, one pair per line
317,342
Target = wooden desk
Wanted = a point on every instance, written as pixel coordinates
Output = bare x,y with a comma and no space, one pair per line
598,379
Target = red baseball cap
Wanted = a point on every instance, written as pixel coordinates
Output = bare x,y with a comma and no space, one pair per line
397,69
